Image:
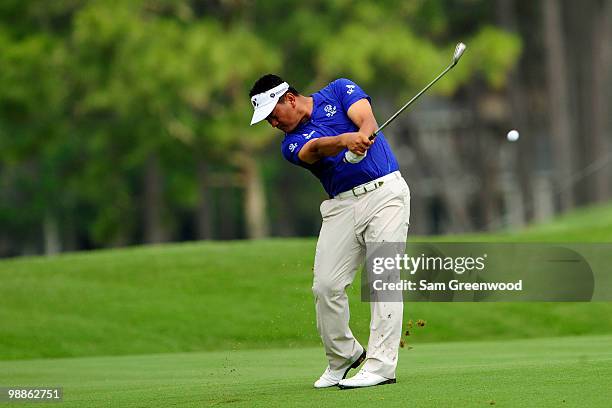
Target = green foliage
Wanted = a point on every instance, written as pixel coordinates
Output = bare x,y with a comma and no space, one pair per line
35,140
89,90
407,62
493,53
29,114
187,85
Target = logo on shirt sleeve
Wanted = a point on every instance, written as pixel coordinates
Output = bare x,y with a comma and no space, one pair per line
331,110
351,89
308,135
292,147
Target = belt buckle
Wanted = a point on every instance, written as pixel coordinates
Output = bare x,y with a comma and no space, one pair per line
375,185
365,188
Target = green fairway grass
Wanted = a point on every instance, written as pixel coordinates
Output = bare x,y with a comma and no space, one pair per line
215,296
233,324
240,295
548,372
590,224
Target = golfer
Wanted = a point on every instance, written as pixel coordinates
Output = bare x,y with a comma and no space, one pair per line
369,201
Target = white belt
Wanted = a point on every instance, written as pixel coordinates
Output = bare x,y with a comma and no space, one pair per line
369,186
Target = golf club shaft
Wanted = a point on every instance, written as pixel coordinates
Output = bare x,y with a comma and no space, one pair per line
351,157
414,98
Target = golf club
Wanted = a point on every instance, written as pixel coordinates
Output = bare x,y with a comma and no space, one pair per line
356,158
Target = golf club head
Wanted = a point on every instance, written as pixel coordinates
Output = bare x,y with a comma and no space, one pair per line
459,49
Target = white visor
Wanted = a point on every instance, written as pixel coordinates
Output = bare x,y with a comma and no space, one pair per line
265,102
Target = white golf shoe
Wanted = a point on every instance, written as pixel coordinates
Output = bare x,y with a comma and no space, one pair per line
364,379
331,378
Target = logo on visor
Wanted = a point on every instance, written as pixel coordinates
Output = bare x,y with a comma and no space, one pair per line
272,95
254,102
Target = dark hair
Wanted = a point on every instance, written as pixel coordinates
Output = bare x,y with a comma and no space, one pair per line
268,82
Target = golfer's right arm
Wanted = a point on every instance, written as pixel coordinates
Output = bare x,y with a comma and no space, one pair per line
358,142
316,149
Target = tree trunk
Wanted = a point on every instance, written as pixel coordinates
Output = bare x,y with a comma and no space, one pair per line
284,196
506,12
70,241
485,161
436,149
558,97
254,198
153,201
543,199
6,246
601,94
203,217
53,244
226,204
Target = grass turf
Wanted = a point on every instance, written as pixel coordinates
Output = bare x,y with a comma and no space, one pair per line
588,224
221,295
546,372
241,295
251,302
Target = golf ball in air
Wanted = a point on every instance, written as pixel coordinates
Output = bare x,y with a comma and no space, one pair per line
513,136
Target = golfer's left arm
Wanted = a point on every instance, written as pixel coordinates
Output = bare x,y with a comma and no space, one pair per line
362,116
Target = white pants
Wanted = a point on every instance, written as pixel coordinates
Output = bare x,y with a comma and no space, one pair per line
348,224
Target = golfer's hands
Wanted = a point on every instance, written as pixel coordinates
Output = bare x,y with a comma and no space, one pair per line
357,142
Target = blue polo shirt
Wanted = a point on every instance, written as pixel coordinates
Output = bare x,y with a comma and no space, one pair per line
329,118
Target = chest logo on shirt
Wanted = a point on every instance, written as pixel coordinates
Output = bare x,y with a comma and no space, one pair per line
331,110
292,147
308,135
351,89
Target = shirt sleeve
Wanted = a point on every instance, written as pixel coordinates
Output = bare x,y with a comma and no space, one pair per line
348,92
291,146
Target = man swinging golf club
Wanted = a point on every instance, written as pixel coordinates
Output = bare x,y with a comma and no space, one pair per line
330,133
369,202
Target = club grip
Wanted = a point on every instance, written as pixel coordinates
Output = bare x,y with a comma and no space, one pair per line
354,158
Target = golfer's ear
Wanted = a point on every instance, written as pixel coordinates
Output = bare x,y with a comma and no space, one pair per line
289,97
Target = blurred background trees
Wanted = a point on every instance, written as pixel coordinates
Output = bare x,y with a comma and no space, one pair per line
126,122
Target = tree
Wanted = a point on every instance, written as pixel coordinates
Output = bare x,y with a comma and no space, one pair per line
560,115
35,152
